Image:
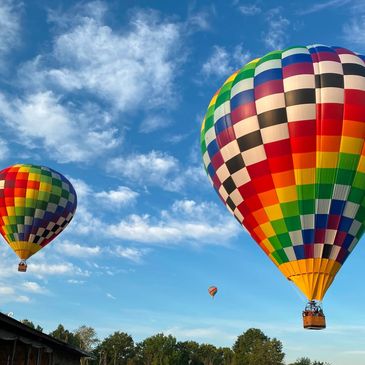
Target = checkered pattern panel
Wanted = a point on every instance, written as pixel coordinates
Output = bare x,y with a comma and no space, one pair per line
283,145
36,203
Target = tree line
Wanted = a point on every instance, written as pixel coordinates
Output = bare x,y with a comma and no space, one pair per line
252,347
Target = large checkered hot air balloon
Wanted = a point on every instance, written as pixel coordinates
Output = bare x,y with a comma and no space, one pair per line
36,204
283,146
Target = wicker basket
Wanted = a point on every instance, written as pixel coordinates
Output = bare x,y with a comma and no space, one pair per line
312,321
22,267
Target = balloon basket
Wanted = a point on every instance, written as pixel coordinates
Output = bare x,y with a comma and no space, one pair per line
22,266
313,316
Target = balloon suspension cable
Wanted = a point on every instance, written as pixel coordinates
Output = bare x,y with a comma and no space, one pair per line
298,292
22,266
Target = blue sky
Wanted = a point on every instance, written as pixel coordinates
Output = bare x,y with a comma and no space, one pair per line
112,95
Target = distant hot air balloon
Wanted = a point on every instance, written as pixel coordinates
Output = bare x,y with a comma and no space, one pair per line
283,146
212,290
36,204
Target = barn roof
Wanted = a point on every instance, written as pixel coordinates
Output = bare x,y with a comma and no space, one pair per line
11,329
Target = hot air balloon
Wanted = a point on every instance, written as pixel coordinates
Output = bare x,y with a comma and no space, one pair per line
36,204
283,146
212,290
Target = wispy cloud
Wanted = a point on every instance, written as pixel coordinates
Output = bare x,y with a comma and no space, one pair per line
117,198
222,63
153,168
50,269
276,36
9,294
316,7
249,10
354,25
185,221
130,253
73,281
10,28
68,133
110,64
33,287
71,100
200,334
4,149
153,123
110,296
73,249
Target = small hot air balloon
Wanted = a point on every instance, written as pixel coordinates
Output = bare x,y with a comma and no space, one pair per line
283,146
36,204
212,290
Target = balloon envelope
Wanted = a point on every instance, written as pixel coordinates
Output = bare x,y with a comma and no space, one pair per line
36,204
283,146
212,290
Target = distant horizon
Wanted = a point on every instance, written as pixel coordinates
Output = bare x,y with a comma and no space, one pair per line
112,95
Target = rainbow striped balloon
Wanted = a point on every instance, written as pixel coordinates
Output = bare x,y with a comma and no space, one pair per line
283,146
212,290
36,204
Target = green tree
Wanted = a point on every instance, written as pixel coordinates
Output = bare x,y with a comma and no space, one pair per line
254,348
31,325
117,349
209,355
65,335
87,338
227,355
307,361
302,361
159,350
189,353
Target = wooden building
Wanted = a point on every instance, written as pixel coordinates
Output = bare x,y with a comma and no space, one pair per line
22,345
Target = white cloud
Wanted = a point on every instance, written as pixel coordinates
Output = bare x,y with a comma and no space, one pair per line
249,10
110,296
33,287
46,269
129,68
9,27
156,168
222,63
82,189
354,31
9,294
185,221
76,250
5,290
73,281
153,123
160,169
75,95
4,149
117,198
218,64
22,299
200,20
84,221
276,35
200,334
67,133
191,208
316,7
176,138
130,253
